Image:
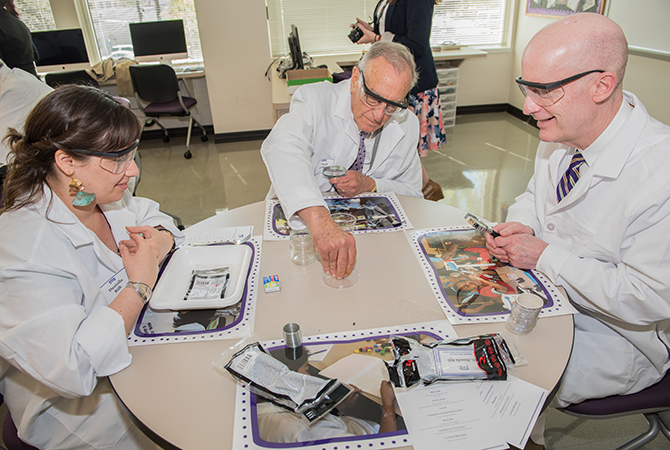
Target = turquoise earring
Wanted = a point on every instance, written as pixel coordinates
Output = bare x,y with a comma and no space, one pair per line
82,198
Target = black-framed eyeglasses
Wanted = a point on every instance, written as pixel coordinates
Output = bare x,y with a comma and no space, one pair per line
374,101
114,162
547,94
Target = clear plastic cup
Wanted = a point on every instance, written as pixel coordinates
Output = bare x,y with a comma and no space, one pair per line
302,248
346,222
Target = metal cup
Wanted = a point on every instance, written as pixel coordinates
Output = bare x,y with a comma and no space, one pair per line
525,311
292,335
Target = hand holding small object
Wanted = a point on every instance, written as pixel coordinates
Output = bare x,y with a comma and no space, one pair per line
353,183
516,245
161,242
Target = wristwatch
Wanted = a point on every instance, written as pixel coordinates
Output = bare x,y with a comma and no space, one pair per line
142,289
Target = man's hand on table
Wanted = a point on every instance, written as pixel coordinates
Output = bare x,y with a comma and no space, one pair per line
517,245
336,247
353,183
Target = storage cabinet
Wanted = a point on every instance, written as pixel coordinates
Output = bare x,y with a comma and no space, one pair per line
447,86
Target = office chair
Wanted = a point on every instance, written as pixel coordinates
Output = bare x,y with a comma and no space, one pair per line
138,161
55,79
653,402
157,85
9,434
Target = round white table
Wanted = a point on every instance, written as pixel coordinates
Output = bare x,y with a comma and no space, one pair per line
172,390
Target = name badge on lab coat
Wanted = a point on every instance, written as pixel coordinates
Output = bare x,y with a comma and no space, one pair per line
325,162
113,286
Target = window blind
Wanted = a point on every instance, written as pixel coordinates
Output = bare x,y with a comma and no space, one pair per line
323,25
110,19
36,14
470,22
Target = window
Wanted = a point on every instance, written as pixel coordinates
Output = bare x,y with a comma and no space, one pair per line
36,14
107,22
470,22
324,25
110,19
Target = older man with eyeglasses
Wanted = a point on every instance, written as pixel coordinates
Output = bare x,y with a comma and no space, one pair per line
595,217
362,125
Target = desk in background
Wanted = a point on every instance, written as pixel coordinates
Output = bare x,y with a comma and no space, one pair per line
337,63
173,390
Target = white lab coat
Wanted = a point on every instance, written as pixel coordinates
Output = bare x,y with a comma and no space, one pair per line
19,91
57,335
320,130
276,424
609,246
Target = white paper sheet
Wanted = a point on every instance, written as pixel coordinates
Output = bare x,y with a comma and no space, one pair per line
471,415
447,416
515,406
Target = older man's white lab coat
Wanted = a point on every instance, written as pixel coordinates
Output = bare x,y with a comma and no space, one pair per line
319,131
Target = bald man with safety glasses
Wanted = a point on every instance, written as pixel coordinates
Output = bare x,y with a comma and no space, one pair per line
596,214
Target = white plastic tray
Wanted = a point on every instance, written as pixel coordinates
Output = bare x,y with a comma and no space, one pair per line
173,284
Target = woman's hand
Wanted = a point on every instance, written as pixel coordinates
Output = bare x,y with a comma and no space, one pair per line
364,25
140,256
369,36
159,241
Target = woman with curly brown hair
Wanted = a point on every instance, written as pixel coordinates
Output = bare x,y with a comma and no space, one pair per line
78,260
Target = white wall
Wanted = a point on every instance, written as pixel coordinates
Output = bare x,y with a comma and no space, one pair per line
645,77
236,48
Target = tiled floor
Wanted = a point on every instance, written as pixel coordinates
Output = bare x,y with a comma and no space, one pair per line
486,163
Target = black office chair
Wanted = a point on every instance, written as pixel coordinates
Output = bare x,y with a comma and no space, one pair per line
10,435
138,160
653,402
158,87
56,79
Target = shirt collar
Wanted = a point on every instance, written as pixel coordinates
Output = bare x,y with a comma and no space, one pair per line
603,142
52,207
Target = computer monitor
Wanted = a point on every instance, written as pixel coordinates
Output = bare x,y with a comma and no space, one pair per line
60,50
294,49
163,40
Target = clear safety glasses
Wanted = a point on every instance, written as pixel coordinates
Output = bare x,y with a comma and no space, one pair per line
114,162
547,94
374,101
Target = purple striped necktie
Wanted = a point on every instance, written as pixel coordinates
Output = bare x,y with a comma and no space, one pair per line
360,158
570,177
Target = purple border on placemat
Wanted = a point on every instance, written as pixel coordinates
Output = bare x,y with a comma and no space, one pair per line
273,219
254,415
240,317
550,301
